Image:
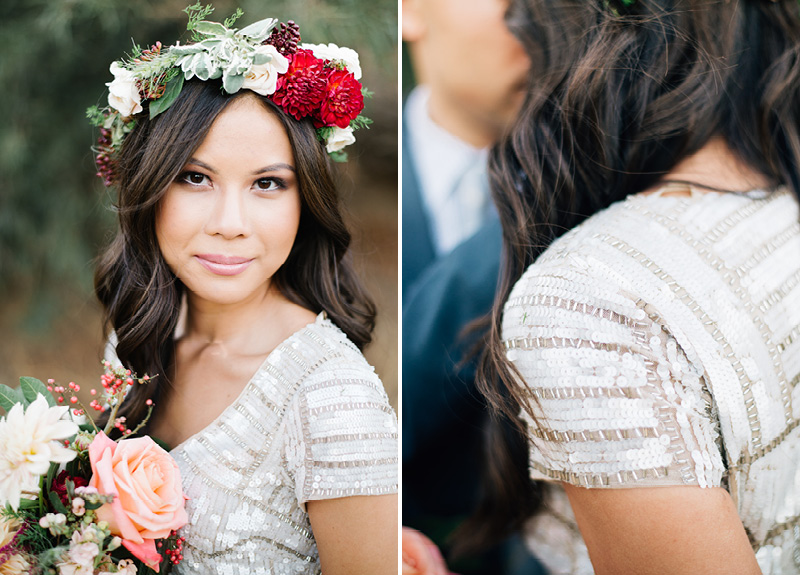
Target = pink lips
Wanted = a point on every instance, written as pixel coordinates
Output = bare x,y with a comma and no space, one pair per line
223,265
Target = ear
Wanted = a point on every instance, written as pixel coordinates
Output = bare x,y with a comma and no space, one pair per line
412,19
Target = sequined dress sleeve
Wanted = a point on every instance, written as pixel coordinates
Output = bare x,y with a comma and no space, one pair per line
647,340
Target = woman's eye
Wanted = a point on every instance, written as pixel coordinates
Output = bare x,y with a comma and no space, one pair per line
268,184
194,178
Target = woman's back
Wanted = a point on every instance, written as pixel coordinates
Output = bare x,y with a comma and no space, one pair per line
659,339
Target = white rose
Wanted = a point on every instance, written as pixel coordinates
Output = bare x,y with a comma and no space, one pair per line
263,79
340,138
334,52
123,94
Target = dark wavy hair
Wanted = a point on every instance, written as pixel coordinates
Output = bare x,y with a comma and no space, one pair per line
619,95
140,294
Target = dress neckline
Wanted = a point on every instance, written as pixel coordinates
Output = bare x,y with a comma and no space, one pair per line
321,317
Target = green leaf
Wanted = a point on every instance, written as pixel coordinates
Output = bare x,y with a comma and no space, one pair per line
185,50
259,58
28,504
210,44
232,83
259,30
10,397
56,502
32,387
51,474
92,506
171,92
210,28
339,157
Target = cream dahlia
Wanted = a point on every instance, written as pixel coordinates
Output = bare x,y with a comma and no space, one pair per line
28,444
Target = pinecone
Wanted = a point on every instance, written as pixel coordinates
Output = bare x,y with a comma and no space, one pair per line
285,38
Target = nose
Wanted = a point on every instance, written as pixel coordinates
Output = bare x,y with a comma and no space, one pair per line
228,214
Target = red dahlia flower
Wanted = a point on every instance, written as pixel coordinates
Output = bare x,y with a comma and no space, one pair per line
301,89
60,485
344,100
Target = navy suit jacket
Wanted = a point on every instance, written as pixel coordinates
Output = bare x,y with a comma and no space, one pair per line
418,250
442,411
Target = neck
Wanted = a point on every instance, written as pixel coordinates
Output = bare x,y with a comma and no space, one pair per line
716,166
458,121
230,324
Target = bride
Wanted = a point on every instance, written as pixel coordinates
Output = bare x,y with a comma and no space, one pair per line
652,349
230,280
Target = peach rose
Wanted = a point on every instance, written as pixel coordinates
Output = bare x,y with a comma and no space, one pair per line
421,556
146,484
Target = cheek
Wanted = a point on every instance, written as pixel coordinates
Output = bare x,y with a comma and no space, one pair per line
279,226
175,224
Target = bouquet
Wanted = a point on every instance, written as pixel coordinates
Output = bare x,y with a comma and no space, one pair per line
72,500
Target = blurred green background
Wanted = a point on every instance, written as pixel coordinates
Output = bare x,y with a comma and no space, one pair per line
54,212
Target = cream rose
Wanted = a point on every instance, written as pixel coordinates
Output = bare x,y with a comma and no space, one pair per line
263,78
123,93
340,138
148,498
334,52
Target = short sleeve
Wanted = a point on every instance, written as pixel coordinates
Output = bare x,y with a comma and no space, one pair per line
342,433
617,401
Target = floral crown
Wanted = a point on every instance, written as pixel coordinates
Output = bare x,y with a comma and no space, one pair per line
314,81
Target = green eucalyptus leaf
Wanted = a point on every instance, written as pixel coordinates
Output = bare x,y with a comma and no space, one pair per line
10,397
171,92
259,30
232,83
32,387
210,28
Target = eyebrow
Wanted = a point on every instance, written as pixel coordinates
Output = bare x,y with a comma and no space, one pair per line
270,168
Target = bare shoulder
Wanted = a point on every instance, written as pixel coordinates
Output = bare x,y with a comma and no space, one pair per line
658,529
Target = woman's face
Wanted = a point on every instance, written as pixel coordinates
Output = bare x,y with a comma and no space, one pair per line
229,220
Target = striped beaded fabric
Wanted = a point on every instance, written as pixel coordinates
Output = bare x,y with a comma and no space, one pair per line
313,423
659,343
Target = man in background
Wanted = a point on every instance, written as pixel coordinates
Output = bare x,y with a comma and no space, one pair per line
472,76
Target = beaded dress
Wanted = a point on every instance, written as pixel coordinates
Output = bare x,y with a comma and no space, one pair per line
314,422
661,340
